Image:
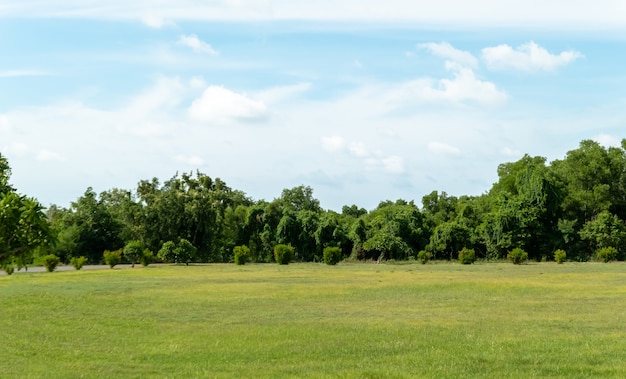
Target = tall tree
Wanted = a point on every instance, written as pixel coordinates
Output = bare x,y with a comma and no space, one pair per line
23,224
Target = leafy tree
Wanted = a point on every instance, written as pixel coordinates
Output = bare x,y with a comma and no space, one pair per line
167,252
133,251
185,251
96,229
23,224
606,230
448,239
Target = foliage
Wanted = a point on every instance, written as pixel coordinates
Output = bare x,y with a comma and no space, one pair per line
559,256
50,262
133,251
467,256
517,256
185,251
23,228
424,256
78,262
283,254
147,257
606,230
607,254
332,255
167,252
241,254
112,258
9,268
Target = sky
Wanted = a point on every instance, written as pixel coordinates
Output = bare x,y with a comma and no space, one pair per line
361,101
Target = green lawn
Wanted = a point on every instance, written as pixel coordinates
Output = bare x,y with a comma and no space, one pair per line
307,320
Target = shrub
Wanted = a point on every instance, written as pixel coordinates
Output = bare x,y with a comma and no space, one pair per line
8,268
147,257
467,256
607,254
424,256
112,258
50,262
241,254
332,255
185,251
283,254
78,262
559,256
517,256
167,253
133,251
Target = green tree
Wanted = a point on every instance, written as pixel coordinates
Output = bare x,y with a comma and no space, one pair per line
133,251
23,224
167,252
606,230
185,251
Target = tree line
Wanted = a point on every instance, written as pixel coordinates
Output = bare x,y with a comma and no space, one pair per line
576,204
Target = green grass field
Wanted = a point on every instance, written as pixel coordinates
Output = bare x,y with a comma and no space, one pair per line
308,320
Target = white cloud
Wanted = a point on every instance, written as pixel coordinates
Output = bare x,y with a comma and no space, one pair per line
46,155
447,51
220,104
464,86
608,140
526,57
196,44
442,148
393,164
333,144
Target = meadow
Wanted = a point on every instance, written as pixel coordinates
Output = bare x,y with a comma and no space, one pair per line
442,320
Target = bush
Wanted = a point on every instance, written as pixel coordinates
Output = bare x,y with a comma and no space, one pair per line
607,254
167,253
517,256
185,251
112,258
283,254
559,256
467,256
133,251
8,268
147,257
241,254
424,256
50,262
332,255
78,262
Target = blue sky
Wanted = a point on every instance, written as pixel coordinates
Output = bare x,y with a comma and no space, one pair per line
363,103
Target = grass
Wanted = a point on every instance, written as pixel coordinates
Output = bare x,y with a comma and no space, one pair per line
309,320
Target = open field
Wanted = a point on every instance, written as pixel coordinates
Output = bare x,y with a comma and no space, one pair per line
309,320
